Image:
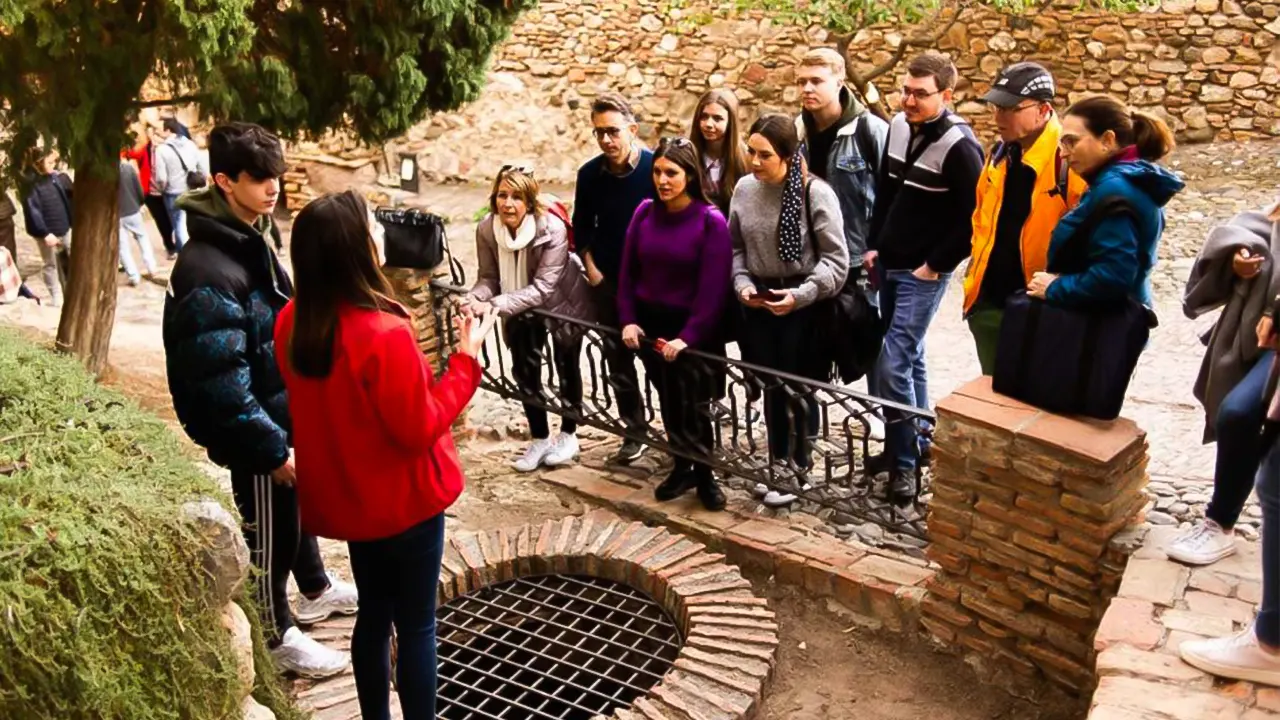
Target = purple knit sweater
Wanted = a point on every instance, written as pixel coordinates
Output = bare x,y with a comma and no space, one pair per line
680,260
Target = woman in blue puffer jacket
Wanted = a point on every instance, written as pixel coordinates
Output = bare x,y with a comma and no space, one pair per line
1115,151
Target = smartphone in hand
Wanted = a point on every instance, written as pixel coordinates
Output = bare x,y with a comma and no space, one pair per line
771,295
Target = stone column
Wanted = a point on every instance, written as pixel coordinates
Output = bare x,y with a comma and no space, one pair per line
1025,507
428,309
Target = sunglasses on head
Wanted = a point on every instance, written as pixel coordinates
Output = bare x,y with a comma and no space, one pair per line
522,169
674,142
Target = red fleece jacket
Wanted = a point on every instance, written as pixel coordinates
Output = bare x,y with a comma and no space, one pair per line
374,452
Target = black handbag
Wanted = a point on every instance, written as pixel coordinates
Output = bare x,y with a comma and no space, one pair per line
414,238
1072,361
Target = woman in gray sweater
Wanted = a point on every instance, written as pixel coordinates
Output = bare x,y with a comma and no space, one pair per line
789,255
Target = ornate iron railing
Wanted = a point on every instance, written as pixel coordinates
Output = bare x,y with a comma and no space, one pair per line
838,446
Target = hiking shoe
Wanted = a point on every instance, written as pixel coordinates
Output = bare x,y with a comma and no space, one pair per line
630,451
1235,658
340,598
903,485
710,494
564,450
534,456
679,482
300,655
775,499
1204,544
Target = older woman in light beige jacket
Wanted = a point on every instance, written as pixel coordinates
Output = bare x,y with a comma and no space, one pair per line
525,264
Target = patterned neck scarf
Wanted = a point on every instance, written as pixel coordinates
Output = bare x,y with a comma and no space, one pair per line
789,246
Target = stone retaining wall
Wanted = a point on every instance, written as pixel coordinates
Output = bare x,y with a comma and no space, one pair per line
1025,510
1205,65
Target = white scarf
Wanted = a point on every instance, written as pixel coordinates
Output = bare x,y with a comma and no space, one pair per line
513,265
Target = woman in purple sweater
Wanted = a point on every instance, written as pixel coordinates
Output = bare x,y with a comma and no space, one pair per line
674,289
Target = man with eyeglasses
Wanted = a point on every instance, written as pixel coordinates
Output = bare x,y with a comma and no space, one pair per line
609,189
920,232
1025,188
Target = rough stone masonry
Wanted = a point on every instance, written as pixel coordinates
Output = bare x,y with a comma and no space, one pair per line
1025,507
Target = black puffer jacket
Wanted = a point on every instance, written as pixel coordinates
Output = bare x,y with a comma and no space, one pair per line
219,323
47,205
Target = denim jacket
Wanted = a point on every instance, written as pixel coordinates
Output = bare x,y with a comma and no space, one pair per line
852,169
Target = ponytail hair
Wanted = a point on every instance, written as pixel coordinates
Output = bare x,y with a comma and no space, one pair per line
1148,133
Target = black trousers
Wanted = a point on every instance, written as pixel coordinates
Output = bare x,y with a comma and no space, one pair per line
527,339
785,344
159,213
277,546
685,388
620,361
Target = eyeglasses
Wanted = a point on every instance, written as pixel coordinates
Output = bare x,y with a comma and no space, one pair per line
918,95
1014,110
674,142
522,169
612,132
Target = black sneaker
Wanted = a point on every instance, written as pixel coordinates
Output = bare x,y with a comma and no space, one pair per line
709,493
679,482
630,451
903,487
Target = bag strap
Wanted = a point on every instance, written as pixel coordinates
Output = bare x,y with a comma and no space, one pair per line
1063,171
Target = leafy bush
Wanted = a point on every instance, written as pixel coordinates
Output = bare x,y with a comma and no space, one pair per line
103,602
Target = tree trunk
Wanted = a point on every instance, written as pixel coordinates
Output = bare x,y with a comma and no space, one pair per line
89,308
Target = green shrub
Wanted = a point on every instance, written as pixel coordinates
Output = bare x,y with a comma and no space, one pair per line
102,597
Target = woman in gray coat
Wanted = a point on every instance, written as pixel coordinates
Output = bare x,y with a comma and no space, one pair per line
1235,271
525,263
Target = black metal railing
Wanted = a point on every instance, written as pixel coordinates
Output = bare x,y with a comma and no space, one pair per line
836,442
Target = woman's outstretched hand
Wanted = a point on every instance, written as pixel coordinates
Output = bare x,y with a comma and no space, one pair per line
473,329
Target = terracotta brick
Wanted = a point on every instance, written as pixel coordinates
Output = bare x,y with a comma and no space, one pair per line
1017,552
1094,442
1071,577
1175,640
1164,700
1101,512
1018,481
1129,621
763,653
588,482
1218,606
681,551
1056,551
957,497
825,550
727,676
947,612
1013,518
994,631
568,527
789,568
957,547
524,550
819,578
692,564
1121,480
759,613
944,588
752,667
637,542
750,554
1004,596
1131,662
974,403
1072,642
543,543
468,548
642,505
1072,608
702,695
941,511
938,527
1049,658
654,709
883,604
949,562
734,635
939,630
733,598
1062,587
1075,523
660,543
1004,561
506,555
1020,623
626,535
767,532
1269,699
1241,692
1029,589
891,571
1196,623
976,486
712,586
703,573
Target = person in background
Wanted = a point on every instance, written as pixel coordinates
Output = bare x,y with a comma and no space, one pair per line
373,441
525,263
1253,655
610,187
789,253
843,143
674,290
46,206
174,161
220,312
130,192
8,229
1235,271
1114,150
920,231
1025,189
143,155
718,140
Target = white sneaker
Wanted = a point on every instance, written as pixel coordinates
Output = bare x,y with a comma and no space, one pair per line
564,450
875,428
534,456
303,656
1235,658
775,499
1204,544
340,599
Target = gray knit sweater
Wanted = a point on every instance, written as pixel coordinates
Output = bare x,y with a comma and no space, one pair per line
753,223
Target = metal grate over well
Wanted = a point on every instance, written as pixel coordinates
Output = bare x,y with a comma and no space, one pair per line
555,647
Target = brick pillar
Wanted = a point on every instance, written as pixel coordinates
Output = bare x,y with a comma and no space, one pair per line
1025,507
413,290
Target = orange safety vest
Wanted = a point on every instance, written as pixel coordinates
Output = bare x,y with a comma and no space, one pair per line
1057,190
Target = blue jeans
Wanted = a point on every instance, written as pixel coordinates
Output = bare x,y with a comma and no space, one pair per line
1240,447
909,305
131,226
1268,625
397,578
178,218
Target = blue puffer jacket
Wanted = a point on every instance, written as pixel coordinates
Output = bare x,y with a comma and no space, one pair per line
1121,251
219,322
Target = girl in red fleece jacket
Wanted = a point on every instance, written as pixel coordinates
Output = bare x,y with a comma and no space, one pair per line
375,460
